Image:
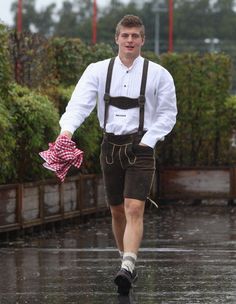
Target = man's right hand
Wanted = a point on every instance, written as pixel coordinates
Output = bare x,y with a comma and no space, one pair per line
67,134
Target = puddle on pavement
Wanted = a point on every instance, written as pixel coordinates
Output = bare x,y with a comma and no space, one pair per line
188,255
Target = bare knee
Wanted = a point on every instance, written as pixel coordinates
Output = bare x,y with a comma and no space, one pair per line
117,212
134,208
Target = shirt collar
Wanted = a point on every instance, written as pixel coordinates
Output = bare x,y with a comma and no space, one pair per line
136,61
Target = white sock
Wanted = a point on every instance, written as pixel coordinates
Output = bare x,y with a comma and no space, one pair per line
128,261
121,254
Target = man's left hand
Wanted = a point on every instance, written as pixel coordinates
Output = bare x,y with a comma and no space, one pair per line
141,144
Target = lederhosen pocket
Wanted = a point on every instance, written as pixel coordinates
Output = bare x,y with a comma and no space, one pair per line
107,151
143,150
129,153
116,149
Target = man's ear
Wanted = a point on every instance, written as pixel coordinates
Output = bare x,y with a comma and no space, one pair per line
143,40
116,39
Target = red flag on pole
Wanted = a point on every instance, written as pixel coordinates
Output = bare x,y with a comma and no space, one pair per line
170,26
19,16
94,23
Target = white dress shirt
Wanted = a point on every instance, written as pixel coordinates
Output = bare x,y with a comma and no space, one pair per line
160,105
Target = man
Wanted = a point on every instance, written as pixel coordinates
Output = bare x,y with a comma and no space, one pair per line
136,106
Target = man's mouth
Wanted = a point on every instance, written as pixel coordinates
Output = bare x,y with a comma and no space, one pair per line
129,47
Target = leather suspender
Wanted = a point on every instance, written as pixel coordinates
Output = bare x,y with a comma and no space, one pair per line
142,98
126,102
107,91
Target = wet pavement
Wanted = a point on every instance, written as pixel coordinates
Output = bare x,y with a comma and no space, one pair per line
188,255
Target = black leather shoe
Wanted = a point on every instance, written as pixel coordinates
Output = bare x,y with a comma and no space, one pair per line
124,280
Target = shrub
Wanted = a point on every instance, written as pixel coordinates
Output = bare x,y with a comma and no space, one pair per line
69,59
230,117
202,133
72,56
7,146
35,123
151,56
98,52
5,71
32,60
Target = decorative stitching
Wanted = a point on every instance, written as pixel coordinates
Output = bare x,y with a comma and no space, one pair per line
120,157
129,160
112,158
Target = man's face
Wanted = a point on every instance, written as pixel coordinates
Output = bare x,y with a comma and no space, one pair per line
129,41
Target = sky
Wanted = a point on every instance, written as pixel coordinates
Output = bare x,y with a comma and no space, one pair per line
7,17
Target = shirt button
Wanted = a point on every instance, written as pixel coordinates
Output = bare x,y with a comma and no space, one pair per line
125,85
127,71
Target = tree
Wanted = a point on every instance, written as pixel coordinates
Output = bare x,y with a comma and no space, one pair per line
28,12
84,9
44,21
33,20
111,15
67,24
193,20
224,5
75,20
225,19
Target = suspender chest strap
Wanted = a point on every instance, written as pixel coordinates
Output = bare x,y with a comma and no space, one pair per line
123,102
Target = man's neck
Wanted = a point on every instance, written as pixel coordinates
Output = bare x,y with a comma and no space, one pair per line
127,60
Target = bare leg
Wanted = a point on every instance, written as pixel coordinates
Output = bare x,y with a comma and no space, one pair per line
118,224
134,210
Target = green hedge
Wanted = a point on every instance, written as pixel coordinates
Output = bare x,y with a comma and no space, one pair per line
203,130
5,71
34,124
68,59
7,146
72,57
34,59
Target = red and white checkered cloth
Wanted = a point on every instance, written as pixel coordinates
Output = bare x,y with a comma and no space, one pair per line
61,155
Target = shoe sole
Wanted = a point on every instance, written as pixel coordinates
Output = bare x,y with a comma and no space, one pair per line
123,284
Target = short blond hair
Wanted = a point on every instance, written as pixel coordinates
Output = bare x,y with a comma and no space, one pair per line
130,21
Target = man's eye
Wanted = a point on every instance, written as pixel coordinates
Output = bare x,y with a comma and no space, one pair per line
134,36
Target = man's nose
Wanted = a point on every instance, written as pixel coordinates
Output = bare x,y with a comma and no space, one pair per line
130,38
